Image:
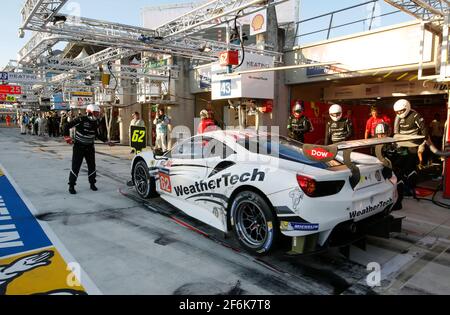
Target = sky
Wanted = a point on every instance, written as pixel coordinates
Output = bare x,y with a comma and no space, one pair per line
129,12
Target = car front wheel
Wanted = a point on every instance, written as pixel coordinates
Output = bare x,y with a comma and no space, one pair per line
254,223
143,182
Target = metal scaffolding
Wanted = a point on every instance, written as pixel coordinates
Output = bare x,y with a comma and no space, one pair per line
425,10
36,13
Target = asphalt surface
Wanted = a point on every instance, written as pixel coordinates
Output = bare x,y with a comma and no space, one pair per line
130,246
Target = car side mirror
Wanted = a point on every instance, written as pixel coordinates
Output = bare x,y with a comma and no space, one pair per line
158,155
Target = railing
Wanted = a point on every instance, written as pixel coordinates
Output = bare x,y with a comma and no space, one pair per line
366,22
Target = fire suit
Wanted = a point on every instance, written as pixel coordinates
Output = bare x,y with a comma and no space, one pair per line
298,127
338,131
86,131
413,124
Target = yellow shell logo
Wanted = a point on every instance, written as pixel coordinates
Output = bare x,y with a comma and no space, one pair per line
258,22
1,172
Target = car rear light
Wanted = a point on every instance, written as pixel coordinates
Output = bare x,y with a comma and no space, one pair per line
314,189
308,185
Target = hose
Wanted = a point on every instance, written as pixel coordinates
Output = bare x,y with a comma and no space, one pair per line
240,39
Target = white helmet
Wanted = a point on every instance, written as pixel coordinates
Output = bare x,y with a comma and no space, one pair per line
91,109
381,129
402,108
335,112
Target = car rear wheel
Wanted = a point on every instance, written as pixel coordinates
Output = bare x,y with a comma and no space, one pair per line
143,182
254,223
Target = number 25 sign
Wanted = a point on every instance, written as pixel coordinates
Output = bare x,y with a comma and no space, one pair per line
11,89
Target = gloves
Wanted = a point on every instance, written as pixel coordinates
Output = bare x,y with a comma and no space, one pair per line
68,140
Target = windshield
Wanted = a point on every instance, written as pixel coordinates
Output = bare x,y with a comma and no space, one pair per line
283,148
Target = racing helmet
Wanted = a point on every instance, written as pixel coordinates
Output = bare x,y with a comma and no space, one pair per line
381,130
298,110
402,108
93,111
335,112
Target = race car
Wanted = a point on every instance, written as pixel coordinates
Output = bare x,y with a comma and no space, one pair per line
263,186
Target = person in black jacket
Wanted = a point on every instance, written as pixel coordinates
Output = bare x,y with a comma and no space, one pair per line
339,128
410,123
86,132
299,124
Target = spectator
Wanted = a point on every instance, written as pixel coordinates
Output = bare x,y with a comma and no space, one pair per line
162,122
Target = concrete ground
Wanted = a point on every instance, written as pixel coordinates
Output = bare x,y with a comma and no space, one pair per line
126,248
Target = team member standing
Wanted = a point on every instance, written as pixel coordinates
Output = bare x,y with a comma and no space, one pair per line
135,122
339,128
373,122
411,123
86,130
162,122
206,123
299,124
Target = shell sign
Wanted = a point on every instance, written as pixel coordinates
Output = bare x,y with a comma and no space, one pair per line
258,23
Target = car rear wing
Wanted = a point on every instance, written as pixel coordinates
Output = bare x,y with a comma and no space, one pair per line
320,153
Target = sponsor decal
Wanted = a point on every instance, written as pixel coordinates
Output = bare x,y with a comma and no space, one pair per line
319,153
297,226
378,176
165,183
296,195
225,180
30,261
369,209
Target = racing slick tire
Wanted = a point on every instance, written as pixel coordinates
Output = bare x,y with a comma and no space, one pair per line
144,184
254,223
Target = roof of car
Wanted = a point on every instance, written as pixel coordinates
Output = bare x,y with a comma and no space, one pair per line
236,135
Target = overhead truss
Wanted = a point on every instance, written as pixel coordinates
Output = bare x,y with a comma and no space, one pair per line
425,10
36,13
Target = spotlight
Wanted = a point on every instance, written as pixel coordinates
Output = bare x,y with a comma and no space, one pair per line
21,33
59,20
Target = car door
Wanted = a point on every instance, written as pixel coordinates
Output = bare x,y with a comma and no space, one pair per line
184,167
189,185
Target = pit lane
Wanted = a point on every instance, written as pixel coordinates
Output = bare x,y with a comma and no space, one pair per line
131,246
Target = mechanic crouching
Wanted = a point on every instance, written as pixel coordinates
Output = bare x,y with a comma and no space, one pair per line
410,123
86,131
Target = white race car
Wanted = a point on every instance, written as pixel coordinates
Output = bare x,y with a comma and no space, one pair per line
263,186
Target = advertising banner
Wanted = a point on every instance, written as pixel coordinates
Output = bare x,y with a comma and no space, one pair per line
258,22
11,89
15,77
255,85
